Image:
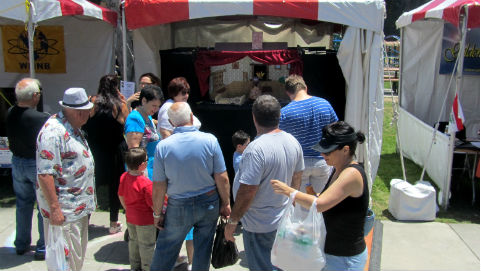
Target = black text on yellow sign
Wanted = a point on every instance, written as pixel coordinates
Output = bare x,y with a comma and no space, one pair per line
49,50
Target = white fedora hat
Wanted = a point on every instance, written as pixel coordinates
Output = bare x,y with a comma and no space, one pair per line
76,98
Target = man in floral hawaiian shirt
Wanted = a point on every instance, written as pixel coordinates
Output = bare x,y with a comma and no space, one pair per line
65,169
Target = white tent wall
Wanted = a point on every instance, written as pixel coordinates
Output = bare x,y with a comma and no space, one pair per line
416,148
147,42
364,100
423,88
88,52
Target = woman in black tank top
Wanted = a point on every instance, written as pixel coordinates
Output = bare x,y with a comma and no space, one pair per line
345,198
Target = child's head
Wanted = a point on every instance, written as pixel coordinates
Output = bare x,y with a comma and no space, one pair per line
135,157
240,140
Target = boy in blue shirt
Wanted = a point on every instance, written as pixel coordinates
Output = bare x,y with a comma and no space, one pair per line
240,140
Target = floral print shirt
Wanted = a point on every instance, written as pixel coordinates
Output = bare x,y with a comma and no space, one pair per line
63,152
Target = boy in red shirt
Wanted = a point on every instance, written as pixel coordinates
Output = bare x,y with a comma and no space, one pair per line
135,194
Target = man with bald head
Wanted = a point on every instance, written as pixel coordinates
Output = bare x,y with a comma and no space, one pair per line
189,167
23,124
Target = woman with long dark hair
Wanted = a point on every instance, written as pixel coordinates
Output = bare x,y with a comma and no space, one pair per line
105,137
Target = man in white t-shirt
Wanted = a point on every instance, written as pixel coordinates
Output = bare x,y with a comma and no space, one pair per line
274,154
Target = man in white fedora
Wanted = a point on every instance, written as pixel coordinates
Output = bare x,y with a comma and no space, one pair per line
65,169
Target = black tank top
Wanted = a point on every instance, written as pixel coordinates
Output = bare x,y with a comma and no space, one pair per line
345,222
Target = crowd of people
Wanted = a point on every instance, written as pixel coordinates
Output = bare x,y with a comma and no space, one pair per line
171,178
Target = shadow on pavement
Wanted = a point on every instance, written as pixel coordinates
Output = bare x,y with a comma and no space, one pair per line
242,259
11,259
96,231
116,253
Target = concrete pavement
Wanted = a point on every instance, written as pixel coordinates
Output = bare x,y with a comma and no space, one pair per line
396,246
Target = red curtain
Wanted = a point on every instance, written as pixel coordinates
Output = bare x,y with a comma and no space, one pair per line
206,59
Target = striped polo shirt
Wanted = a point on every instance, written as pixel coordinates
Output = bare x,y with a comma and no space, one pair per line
305,120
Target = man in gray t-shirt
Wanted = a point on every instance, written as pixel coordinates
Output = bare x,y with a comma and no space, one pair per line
274,154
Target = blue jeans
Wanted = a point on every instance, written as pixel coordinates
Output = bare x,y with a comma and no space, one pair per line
258,248
200,212
352,263
24,173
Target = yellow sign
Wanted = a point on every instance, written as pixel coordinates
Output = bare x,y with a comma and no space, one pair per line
49,52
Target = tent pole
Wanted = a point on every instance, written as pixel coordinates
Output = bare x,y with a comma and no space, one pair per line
459,83
124,44
31,35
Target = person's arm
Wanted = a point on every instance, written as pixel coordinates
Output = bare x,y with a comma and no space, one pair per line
93,110
244,198
122,201
158,193
47,184
223,186
296,180
349,183
165,133
134,139
124,110
131,99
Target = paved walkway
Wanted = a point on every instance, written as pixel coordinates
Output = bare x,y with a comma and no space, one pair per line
396,246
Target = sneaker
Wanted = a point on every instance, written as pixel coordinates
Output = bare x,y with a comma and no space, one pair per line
180,260
189,267
39,255
115,229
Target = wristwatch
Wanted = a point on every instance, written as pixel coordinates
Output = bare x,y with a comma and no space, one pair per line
155,215
233,222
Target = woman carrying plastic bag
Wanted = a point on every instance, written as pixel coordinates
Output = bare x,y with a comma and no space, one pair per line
343,202
299,242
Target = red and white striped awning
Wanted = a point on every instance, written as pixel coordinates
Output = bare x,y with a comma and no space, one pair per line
48,9
447,10
360,13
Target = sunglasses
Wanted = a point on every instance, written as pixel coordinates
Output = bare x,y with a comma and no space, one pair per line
329,153
185,92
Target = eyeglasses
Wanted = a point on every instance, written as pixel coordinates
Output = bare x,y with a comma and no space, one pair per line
143,84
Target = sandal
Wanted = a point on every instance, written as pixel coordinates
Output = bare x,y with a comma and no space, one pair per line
115,229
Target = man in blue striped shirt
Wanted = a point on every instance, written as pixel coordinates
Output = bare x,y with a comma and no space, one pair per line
304,117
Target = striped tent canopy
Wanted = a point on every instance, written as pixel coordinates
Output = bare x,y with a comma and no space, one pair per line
48,9
359,13
447,10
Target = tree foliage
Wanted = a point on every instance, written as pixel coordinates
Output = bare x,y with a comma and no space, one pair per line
394,9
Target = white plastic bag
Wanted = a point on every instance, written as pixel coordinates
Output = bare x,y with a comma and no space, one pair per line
56,250
299,243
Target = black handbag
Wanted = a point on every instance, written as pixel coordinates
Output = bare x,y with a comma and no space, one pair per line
224,253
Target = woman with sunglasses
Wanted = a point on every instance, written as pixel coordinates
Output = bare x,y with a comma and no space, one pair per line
178,91
344,200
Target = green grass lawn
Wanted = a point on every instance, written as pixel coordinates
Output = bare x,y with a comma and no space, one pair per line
390,168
